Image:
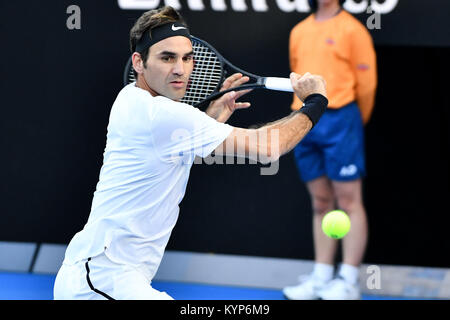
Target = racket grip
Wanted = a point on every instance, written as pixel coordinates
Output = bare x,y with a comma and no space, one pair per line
279,84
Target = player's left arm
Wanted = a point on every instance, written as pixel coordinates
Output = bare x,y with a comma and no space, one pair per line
364,64
222,108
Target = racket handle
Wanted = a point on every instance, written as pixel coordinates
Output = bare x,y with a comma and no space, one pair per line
279,84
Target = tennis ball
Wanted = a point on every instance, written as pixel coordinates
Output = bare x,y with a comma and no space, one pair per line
336,224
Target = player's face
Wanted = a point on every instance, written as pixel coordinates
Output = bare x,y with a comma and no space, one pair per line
169,65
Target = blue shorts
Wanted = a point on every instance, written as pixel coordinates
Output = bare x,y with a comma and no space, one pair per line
334,147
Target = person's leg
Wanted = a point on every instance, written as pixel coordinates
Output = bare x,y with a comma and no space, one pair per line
99,278
349,199
71,284
322,201
122,282
131,284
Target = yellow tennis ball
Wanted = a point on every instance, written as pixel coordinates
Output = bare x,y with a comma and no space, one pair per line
336,224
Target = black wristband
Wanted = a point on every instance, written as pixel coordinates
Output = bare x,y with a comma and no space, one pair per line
314,106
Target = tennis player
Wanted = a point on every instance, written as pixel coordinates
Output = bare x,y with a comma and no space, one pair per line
152,140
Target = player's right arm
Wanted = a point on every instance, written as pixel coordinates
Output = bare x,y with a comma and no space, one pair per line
269,142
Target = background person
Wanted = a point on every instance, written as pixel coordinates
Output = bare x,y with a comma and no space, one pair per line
331,159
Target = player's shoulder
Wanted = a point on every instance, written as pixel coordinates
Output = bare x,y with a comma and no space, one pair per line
352,24
303,24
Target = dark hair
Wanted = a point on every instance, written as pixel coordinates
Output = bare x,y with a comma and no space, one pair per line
313,4
149,20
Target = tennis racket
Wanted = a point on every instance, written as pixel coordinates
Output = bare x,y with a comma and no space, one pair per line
210,71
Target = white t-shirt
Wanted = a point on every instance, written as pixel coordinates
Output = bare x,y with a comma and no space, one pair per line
151,145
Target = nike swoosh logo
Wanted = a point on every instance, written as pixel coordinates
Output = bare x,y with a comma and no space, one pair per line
177,28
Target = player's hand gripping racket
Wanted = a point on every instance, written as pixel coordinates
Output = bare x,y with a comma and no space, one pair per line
210,71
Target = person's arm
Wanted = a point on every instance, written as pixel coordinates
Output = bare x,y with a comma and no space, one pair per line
269,142
222,108
363,60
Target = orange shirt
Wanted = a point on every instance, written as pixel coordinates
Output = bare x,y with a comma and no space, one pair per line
341,50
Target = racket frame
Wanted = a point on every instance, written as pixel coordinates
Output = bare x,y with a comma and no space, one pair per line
259,82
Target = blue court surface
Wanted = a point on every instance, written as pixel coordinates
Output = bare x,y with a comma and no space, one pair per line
28,286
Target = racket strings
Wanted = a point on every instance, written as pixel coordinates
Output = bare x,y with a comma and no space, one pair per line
205,77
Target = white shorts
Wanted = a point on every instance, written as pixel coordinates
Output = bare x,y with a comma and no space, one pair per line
99,278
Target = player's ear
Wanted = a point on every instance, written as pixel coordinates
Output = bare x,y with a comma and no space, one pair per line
138,63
